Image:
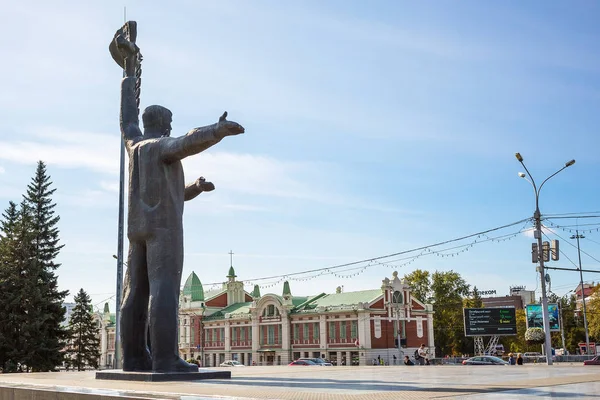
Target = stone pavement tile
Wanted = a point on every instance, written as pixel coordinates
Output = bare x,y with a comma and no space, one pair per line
332,383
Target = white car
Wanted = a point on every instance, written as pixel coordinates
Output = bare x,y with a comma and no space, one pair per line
231,363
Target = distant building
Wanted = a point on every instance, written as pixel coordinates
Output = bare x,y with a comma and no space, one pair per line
68,311
519,297
348,328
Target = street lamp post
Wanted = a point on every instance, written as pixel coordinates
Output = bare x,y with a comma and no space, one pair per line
538,235
585,324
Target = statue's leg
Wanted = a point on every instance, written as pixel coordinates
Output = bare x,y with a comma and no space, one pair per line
165,264
134,311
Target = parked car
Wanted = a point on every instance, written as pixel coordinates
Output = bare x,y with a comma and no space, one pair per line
593,361
303,362
231,363
484,360
318,361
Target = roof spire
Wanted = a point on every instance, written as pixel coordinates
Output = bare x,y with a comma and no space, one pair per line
286,289
256,292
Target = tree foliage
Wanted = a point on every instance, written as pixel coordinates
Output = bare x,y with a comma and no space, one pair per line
446,291
31,308
84,342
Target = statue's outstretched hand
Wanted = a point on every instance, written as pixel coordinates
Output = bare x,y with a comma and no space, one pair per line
204,186
228,128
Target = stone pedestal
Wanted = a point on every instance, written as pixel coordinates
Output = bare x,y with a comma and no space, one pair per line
120,375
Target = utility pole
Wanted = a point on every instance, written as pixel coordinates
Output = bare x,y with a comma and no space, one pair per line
562,328
585,324
537,216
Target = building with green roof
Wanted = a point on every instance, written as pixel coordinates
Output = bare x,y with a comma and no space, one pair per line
348,328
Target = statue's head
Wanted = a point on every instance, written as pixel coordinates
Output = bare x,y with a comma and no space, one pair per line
157,121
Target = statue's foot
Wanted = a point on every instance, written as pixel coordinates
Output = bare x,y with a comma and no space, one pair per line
138,364
177,365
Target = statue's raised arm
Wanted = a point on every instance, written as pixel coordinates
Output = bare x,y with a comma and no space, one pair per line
125,52
199,139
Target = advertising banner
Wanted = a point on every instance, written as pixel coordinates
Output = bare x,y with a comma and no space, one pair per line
535,318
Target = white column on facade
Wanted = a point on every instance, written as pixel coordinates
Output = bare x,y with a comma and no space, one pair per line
323,334
227,337
255,339
348,358
364,329
285,339
431,339
339,357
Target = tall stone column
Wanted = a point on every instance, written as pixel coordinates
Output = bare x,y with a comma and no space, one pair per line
286,345
255,340
227,337
323,335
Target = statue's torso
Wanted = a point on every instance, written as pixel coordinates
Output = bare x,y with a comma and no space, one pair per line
156,190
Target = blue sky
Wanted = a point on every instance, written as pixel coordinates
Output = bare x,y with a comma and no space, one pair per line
371,129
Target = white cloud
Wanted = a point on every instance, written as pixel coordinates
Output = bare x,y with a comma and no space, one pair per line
2,170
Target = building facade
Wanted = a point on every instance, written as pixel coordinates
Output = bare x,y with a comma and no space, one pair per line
348,328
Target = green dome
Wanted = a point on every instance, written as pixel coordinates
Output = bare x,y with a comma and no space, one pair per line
231,273
286,289
193,287
106,309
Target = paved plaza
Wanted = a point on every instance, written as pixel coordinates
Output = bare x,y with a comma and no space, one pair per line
337,383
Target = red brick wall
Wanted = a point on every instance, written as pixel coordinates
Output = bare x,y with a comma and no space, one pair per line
411,334
387,335
378,304
219,301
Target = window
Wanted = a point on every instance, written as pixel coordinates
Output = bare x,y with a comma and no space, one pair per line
354,329
296,332
397,297
243,333
234,334
270,311
250,333
222,335
343,329
316,331
271,334
332,330
305,336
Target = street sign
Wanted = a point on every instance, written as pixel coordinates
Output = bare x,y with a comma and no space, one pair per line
490,321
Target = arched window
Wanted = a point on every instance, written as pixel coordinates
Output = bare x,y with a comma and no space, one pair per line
271,311
397,297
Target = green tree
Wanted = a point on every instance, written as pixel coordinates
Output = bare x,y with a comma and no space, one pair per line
18,295
84,346
50,336
420,284
593,315
448,290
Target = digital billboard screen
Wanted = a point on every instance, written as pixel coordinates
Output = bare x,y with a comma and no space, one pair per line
490,321
535,318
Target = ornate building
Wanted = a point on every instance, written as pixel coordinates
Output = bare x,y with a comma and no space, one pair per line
344,327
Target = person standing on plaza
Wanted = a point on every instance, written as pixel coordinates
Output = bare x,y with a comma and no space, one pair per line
422,352
519,359
407,361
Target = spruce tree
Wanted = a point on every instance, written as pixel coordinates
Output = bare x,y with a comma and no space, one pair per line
48,340
8,234
19,297
84,346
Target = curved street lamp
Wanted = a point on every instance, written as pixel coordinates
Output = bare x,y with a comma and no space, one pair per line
538,236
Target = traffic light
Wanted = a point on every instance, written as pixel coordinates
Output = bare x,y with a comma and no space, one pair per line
534,253
546,251
555,250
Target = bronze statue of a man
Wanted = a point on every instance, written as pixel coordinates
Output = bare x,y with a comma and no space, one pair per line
157,191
